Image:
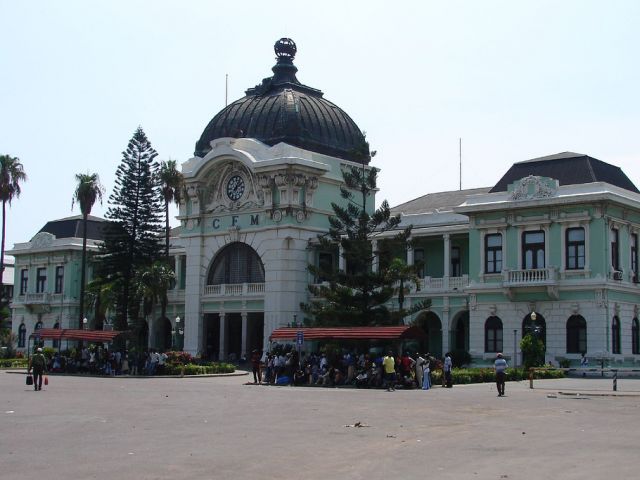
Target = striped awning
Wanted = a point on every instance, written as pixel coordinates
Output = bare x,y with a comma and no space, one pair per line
70,334
350,333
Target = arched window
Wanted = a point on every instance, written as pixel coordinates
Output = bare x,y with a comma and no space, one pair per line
576,334
22,335
635,337
615,335
236,263
55,341
493,335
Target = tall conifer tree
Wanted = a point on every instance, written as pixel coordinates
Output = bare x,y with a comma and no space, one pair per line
133,235
359,295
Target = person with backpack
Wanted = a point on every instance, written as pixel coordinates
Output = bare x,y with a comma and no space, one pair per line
38,365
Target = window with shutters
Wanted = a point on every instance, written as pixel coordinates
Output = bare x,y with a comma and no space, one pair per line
236,263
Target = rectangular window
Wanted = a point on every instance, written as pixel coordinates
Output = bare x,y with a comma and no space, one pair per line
24,281
41,279
325,266
493,253
418,260
59,279
634,256
615,248
533,250
455,262
575,252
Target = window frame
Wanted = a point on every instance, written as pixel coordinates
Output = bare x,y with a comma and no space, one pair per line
634,256
495,263
615,336
41,279
635,336
456,262
576,334
59,279
575,245
22,335
24,281
535,248
615,249
494,325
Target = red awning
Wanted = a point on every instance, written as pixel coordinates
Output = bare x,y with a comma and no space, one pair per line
349,333
68,334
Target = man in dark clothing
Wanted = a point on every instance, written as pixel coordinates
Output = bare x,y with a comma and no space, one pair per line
38,366
255,365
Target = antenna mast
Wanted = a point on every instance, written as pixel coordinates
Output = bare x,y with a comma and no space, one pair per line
460,153
226,88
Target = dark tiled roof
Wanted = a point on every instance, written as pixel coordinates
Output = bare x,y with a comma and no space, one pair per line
568,168
72,227
437,201
281,109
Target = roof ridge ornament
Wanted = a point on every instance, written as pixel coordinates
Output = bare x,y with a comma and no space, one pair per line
532,187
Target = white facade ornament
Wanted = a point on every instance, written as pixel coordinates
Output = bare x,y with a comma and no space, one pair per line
42,240
234,234
277,216
533,187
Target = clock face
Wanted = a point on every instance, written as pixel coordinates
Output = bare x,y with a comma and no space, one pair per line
235,187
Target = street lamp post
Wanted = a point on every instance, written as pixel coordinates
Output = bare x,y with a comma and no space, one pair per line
178,330
515,347
85,323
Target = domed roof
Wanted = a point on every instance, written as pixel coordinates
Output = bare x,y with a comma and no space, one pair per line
281,109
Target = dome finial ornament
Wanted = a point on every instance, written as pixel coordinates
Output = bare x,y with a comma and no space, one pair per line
285,48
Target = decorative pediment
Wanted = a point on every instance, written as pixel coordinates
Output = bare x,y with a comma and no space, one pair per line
229,187
42,240
533,187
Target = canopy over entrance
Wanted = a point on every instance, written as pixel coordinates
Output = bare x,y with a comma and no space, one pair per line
350,333
70,334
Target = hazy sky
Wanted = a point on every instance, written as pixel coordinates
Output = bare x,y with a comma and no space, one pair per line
514,79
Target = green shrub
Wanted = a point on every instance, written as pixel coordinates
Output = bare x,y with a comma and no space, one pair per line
14,363
193,369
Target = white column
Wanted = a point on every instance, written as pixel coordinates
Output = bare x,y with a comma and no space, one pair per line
376,258
222,354
447,259
243,345
410,257
341,260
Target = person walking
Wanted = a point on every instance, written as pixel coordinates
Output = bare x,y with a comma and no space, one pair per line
448,366
38,365
255,366
420,361
426,374
584,364
389,367
500,365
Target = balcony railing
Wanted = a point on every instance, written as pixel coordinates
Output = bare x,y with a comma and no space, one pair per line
444,283
35,298
234,289
530,277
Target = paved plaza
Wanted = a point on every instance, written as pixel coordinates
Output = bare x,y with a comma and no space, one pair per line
219,428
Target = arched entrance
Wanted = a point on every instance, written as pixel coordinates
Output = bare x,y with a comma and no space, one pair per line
538,328
143,335
236,263
164,338
460,332
432,326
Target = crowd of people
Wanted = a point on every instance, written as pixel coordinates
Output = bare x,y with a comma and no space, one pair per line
98,360
363,370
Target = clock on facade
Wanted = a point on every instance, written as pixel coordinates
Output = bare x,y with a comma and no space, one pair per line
235,187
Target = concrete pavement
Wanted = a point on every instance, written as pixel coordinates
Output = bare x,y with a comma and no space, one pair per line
158,428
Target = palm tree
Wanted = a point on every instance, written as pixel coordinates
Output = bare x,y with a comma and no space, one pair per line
171,184
88,190
11,175
151,285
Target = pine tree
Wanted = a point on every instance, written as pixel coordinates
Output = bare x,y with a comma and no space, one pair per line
357,296
132,237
